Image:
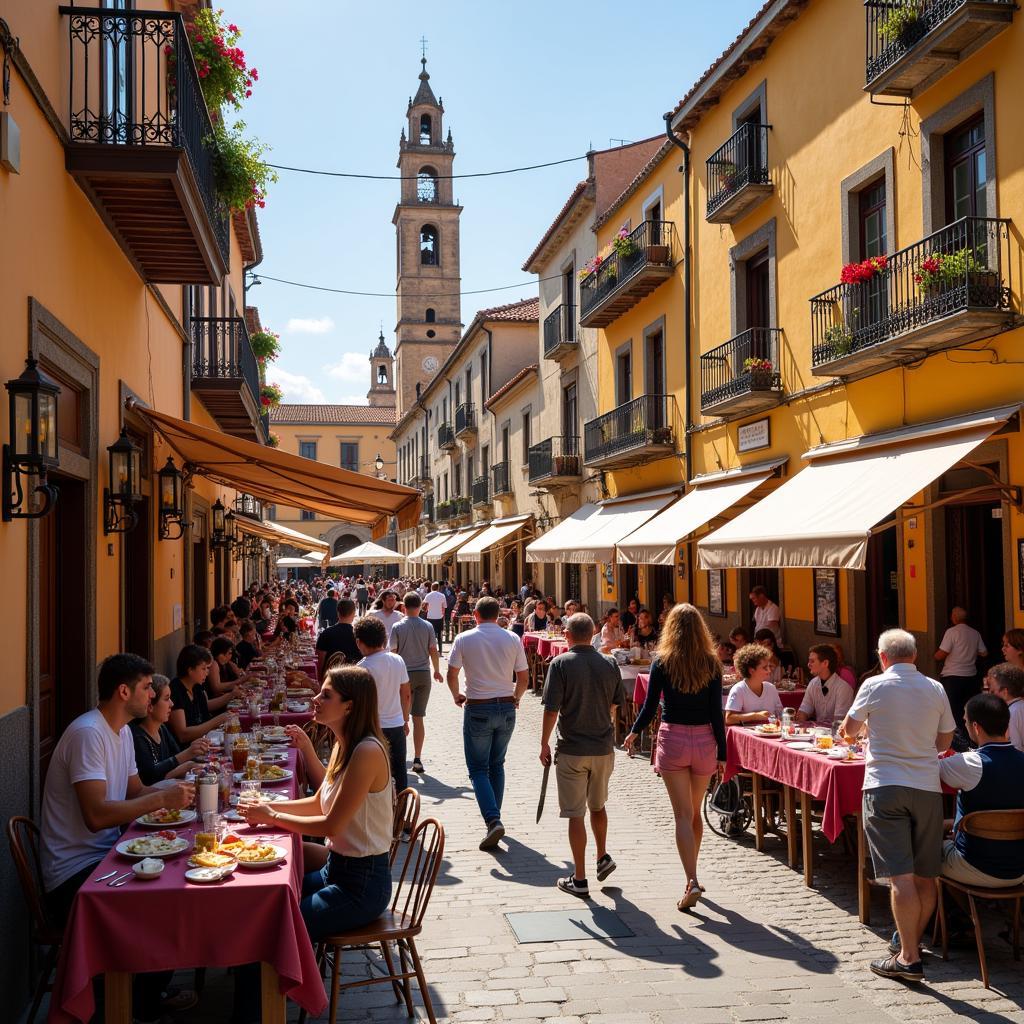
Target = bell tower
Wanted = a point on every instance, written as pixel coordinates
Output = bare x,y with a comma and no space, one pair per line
382,376
426,223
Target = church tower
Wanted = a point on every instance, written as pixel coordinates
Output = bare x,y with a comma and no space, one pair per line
427,226
382,376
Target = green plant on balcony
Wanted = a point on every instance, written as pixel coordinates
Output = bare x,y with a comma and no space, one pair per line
762,373
224,76
270,395
240,172
273,440
727,175
839,339
266,345
901,22
623,245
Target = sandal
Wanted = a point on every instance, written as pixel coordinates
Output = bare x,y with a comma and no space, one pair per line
690,897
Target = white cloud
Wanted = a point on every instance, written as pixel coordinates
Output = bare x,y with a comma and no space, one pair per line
295,387
353,368
310,325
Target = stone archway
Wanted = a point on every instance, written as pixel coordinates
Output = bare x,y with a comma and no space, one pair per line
344,543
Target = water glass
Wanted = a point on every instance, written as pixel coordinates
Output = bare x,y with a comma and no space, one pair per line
249,792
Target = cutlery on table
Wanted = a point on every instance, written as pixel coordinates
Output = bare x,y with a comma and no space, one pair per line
103,878
121,879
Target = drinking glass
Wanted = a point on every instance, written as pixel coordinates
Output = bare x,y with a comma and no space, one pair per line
249,791
277,720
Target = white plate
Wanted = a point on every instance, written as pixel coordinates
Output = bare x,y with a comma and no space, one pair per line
268,782
265,796
204,875
276,739
187,815
281,854
801,745
800,737
275,757
180,846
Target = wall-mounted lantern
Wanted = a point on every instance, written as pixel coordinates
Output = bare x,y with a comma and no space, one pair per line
125,490
171,507
32,451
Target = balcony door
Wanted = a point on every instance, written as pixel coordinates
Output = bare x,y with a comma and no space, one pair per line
758,312
966,171
750,156
654,373
570,411
871,207
624,377
116,77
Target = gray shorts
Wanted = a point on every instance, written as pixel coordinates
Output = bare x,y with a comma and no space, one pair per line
903,827
419,684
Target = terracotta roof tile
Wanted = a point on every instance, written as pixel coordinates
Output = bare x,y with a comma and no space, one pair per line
525,372
521,311
327,415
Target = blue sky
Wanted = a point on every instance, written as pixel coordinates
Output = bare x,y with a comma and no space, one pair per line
521,83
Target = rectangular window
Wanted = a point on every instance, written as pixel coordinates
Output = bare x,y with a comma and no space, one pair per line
350,456
654,358
469,471
966,173
469,385
504,442
445,488
485,459
306,516
569,410
458,393
457,490
871,208
624,377
526,436
483,378
307,449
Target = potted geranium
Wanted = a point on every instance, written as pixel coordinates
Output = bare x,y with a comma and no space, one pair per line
224,76
240,172
273,440
943,271
266,345
865,270
270,395
623,244
762,373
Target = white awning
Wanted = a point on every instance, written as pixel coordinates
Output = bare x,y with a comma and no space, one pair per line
431,542
656,541
368,553
824,515
452,542
496,532
551,546
294,563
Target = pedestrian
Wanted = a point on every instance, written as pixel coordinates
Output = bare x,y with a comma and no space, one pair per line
687,676
582,690
327,610
387,612
436,604
958,655
908,718
414,641
393,695
491,658
338,639
767,614
362,595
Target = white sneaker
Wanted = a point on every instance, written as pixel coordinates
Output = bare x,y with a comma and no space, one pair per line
570,885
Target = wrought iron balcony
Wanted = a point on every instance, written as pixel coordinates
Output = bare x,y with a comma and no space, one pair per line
742,376
455,508
555,461
638,263
501,479
946,290
226,376
639,431
445,437
139,142
419,474
427,509
911,44
481,490
738,177
560,331
465,419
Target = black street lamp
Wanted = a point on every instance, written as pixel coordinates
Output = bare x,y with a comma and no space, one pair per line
125,490
171,509
217,534
32,450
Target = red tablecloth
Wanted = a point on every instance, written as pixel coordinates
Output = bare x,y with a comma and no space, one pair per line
267,718
790,698
169,923
838,783
547,647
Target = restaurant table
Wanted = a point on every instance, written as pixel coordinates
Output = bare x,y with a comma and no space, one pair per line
790,698
168,923
284,718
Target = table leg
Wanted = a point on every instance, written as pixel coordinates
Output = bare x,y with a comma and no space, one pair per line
807,838
117,988
791,843
272,999
863,882
758,816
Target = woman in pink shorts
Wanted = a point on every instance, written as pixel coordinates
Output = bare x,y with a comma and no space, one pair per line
687,677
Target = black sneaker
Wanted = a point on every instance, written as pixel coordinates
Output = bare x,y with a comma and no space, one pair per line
417,766
574,888
495,832
890,967
605,866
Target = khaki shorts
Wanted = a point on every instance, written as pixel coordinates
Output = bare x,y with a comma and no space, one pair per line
419,684
954,866
582,782
903,827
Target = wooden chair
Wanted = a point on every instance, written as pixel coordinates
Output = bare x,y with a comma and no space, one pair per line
23,836
407,813
999,826
400,924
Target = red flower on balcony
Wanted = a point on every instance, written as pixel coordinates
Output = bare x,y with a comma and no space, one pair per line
866,270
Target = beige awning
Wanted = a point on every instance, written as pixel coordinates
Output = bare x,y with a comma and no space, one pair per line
417,554
655,542
451,543
294,563
824,515
550,546
368,553
278,534
285,479
496,532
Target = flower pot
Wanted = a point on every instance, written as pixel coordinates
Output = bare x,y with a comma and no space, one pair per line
662,435
983,289
657,254
762,380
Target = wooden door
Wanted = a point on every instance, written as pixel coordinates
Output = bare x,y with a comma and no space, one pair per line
758,299
49,696
200,598
137,585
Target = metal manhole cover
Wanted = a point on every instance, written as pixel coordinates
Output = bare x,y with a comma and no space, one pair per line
565,925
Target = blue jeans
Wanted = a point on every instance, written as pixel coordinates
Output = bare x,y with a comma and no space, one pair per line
486,730
396,756
347,892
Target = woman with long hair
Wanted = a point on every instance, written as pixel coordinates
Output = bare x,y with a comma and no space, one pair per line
347,882
686,674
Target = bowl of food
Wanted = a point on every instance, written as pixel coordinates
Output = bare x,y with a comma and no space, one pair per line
148,868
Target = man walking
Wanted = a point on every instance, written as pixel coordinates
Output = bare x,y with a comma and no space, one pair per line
362,595
958,654
327,610
491,658
387,613
909,720
581,692
414,641
338,639
436,605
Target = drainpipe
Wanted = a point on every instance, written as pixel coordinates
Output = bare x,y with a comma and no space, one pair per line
483,397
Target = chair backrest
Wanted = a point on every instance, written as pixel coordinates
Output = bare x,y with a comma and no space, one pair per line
423,862
407,813
23,835
1000,825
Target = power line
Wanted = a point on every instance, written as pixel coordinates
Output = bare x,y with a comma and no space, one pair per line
391,294
415,177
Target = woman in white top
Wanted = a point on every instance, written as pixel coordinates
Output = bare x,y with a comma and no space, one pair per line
348,880
753,698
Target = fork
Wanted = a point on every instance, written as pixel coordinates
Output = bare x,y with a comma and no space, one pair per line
121,879
103,878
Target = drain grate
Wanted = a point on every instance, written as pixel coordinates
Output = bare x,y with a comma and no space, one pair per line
565,925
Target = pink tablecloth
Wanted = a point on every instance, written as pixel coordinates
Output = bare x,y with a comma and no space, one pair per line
169,923
790,698
547,647
267,717
838,783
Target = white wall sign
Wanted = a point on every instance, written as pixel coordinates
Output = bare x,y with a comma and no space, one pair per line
752,436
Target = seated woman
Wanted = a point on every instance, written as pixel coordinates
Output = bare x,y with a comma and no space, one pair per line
739,638
348,881
629,616
537,620
223,651
265,622
754,697
248,648
783,661
158,755
612,633
287,629
844,670
191,714
726,652
644,630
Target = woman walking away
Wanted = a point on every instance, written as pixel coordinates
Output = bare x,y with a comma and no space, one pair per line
686,674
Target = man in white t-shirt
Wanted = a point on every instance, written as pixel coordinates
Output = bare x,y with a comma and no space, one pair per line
434,606
394,695
767,614
828,695
909,724
387,614
494,661
958,654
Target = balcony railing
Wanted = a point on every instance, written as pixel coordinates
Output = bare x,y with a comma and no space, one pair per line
225,374
418,474
501,479
427,509
465,419
445,437
136,114
455,508
560,331
481,490
636,266
636,432
742,375
951,287
912,43
555,460
738,177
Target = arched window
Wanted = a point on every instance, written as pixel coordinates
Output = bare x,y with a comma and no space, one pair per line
382,374
429,255
431,316
426,130
426,185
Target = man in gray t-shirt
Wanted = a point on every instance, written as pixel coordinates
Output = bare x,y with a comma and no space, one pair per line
581,691
414,641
